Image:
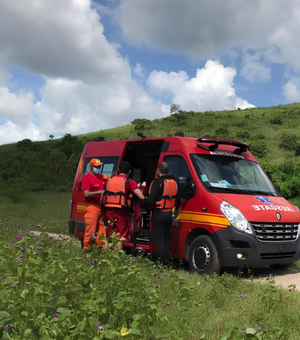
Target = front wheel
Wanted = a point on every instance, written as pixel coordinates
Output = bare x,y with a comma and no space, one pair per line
203,256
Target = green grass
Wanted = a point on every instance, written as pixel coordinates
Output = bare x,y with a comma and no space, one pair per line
121,291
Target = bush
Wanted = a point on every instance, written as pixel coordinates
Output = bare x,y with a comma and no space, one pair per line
259,148
288,142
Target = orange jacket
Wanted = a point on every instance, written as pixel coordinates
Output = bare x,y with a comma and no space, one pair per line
115,194
168,198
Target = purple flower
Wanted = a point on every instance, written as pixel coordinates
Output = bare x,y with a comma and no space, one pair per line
155,274
20,258
40,244
50,237
159,277
91,234
98,322
87,260
13,241
165,275
56,315
148,254
255,325
19,238
166,304
36,247
132,260
244,296
51,245
6,327
15,286
95,262
23,250
100,328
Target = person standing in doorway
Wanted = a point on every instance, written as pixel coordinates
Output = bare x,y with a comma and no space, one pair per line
117,201
162,199
93,185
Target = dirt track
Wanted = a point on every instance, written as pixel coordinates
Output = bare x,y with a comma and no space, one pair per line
286,277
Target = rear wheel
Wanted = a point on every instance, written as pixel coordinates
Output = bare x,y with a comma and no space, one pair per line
203,256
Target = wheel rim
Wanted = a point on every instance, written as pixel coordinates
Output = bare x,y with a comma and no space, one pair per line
201,257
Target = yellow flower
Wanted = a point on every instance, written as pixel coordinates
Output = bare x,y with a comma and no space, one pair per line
124,331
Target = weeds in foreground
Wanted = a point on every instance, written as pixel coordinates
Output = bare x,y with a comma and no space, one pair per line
50,289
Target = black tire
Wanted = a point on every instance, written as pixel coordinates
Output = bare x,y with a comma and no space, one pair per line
203,256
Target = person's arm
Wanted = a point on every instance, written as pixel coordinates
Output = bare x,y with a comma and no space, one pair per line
138,193
154,193
88,193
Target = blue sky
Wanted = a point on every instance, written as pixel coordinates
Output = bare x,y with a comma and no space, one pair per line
77,66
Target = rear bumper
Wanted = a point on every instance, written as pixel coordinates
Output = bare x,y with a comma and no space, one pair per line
76,228
230,242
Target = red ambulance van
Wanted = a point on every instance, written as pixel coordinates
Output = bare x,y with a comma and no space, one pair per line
232,214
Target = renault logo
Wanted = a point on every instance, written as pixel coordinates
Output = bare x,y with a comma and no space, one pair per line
278,216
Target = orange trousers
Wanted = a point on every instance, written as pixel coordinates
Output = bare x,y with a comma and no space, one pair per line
93,226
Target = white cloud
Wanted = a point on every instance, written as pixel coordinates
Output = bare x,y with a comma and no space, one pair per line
291,90
254,70
57,39
11,133
17,108
211,88
206,29
75,107
139,70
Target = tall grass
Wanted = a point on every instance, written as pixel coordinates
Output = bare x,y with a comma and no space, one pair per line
52,289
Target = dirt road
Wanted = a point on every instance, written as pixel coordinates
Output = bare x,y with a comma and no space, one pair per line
286,277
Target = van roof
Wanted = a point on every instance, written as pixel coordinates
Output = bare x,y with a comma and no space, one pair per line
189,145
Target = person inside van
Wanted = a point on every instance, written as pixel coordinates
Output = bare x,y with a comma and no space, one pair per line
93,185
117,202
163,197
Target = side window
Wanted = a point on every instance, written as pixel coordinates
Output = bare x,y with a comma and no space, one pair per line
108,168
179,168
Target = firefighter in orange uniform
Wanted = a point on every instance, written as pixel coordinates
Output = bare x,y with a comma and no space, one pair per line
93,185
117,199
162,199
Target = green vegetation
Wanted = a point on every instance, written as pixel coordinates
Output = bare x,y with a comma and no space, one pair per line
270,132
51,289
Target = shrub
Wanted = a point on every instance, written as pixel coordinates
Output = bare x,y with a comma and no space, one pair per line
259,148
288,142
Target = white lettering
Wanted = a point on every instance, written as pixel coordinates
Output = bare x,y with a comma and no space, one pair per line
256,207
271,207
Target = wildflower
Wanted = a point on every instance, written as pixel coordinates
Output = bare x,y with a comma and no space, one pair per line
139,301
50,237
100,328
6,327
23,250
87,260
14,286
124,331
20,258
13,241
244,296
56,315
165,275
255,326
95,262
155,274
148,254
51,245
166,304
40,244
19,238
154,266
98,322
91,234
159,277
36,247
132,260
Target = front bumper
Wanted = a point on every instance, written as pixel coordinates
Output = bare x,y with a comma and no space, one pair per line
230,242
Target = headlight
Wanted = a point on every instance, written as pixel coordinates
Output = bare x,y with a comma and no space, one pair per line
235,217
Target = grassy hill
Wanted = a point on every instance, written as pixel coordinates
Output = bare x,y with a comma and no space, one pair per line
271,132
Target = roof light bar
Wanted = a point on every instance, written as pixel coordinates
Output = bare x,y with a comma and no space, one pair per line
241,147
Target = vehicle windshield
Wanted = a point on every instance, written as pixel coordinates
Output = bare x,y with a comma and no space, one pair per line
232,175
